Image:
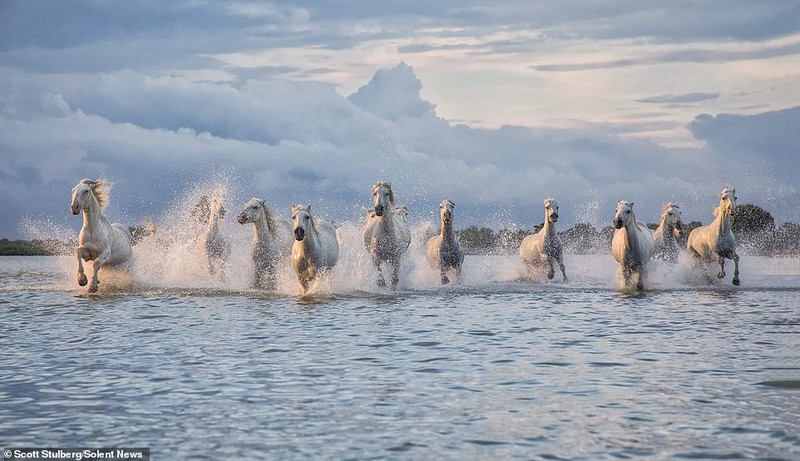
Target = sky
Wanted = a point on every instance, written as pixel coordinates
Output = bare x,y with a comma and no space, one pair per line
496,105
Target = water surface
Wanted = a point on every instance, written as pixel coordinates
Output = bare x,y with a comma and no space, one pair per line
497,367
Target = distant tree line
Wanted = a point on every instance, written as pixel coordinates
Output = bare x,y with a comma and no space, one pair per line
753,227
34,247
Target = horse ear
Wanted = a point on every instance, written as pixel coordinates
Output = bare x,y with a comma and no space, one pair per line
308,208
631,204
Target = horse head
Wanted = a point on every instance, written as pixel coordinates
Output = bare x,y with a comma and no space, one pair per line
87,191
623,213
727,200
382,197
302,221
671,216
551,210
446,211
251,212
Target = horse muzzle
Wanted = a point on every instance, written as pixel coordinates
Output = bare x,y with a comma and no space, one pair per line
618,224
379,210
75,209
242,219
299,234
554,217
679,225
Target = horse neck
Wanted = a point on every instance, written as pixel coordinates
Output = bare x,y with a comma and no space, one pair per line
632,231
549,227
388,217
265,226
311,240
722,223
665,230
447,229
93,215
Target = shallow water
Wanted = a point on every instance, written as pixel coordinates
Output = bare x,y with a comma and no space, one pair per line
498,367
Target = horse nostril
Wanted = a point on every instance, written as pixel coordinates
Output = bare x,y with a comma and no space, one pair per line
299,234
379,210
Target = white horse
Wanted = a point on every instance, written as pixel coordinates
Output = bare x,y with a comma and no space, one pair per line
715,242
545,248
99,241
386,234
213,241
443,250
664,236
315,246
632,245
272,241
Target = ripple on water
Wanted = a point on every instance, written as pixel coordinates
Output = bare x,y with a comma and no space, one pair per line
498,370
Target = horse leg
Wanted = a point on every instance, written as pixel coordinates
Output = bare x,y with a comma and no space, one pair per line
82,280
721,273
640,279
258,276
443,272
304,282
736,269
98,263
395,272
380,282
272,279
563,269
551,272
626,275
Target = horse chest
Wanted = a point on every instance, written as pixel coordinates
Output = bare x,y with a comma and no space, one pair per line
552,245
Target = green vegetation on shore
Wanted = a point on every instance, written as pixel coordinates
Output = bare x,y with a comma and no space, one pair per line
34,247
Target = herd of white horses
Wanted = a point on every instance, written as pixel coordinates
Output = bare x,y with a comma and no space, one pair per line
312,244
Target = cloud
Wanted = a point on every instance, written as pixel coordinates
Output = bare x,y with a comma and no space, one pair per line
392,94
291,142
163,97
680,98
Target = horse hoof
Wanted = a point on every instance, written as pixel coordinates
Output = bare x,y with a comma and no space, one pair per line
736,282
93,289
550,275
82,280
381,283
721,275
445,280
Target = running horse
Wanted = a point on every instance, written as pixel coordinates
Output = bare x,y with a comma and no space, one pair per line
99,241
715,242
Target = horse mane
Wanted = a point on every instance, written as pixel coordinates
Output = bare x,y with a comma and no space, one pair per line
667,206
388,186
446,201
726,190
101,189
272,224
298,207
